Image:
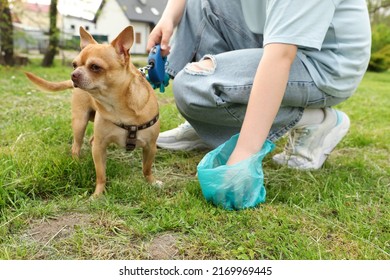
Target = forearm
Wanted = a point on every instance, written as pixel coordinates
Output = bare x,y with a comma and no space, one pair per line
174,11
266,96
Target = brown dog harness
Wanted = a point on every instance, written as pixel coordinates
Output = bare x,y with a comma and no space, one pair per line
132,132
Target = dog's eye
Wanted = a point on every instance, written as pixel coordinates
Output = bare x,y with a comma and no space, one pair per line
74,65
95,68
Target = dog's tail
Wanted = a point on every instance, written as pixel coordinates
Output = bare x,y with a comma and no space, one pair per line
49,86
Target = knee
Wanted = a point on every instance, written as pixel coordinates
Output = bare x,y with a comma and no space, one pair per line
192,88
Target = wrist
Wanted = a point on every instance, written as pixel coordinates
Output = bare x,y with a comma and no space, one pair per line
240,154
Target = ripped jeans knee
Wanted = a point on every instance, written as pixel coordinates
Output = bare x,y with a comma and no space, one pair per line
205,66
193,87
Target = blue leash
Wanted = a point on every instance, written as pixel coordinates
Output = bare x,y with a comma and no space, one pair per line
156,74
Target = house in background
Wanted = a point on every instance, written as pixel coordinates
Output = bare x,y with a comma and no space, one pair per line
115,15
32,15
104,19
75,13
30,23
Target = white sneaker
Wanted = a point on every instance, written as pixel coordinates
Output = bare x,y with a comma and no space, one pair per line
182,138
309,146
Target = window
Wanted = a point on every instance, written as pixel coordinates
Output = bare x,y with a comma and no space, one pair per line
154,11
138,38
138,10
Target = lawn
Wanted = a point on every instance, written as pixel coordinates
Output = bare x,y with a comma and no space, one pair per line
338,212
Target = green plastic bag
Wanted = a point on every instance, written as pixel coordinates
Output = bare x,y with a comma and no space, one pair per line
237,186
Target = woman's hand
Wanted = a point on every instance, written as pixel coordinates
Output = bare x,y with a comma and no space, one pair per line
162,32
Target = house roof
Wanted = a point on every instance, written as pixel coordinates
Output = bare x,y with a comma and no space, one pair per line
36,7
143,10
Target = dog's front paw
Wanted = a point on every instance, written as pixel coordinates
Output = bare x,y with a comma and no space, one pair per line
76,151
158,184
95,196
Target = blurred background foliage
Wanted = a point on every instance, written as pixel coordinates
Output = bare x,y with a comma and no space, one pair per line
380,23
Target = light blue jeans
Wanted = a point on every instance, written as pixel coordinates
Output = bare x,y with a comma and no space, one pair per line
214,101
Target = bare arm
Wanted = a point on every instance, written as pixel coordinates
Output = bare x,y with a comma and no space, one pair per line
266,96
162,32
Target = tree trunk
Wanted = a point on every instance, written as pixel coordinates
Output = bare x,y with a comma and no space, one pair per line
53,36
6,33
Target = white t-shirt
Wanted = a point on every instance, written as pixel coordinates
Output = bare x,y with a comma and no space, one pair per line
333,37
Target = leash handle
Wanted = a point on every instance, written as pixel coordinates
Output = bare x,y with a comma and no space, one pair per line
156,73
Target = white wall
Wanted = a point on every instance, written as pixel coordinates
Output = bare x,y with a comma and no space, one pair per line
144,30
70,26
111,20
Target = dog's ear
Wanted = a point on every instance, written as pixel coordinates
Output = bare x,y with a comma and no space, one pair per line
85,38
124,41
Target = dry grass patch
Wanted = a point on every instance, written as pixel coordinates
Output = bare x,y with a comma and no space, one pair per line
60,227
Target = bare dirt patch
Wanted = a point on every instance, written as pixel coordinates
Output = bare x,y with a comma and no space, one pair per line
163,247
52,235
59,227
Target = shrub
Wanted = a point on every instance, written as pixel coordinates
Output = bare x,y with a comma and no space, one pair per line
380,37
380,60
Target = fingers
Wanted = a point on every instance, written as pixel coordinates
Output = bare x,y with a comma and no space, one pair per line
160,36
165,48
154,39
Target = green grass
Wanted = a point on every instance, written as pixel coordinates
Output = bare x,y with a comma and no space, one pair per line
338,212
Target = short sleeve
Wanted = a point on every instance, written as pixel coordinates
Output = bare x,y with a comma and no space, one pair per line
299,22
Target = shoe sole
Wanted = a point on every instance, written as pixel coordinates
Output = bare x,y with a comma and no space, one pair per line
183,146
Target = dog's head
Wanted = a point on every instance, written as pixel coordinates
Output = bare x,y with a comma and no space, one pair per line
100,67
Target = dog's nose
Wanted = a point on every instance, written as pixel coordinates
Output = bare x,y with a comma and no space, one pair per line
75,76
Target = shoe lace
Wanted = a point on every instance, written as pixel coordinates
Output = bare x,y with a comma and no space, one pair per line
184,125
296,138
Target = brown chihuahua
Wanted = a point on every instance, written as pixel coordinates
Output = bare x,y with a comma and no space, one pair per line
112,92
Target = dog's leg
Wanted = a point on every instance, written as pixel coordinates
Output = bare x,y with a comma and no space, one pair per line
99,154
82,112
148,155
79,125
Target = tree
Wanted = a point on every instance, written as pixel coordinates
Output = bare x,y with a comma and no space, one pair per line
6,33
53,36
376,5
379,10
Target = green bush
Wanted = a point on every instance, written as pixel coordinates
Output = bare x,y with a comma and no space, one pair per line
380,37
380,60
380,49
